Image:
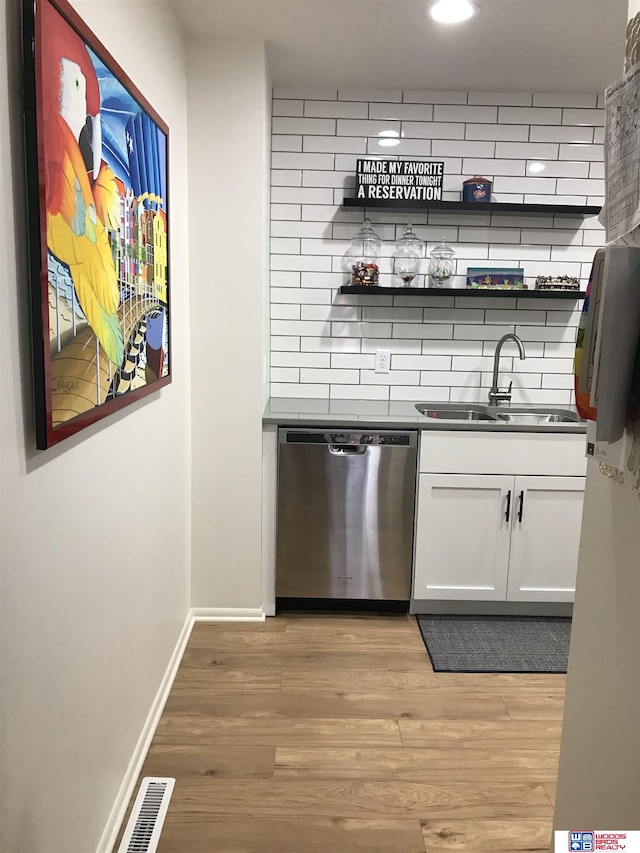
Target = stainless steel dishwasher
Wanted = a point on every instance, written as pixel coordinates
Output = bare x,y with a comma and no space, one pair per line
345,514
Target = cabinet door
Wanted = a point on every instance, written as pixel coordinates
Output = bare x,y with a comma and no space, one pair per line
462,537
547,517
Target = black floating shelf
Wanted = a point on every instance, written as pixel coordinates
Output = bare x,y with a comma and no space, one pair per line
364,290
475,207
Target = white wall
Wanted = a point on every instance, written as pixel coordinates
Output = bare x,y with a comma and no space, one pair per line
599,778
324,343
228,126
95,533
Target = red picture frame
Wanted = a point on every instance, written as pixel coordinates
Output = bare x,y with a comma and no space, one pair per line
97,158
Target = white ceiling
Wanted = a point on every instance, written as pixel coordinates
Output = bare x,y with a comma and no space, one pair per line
512,45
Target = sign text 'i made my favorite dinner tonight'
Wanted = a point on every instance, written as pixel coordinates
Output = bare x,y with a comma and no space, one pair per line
407,180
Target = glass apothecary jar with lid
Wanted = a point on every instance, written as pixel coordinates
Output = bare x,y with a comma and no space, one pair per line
407,256
364,255
442,265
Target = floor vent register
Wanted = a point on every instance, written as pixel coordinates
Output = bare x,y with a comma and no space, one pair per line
147,816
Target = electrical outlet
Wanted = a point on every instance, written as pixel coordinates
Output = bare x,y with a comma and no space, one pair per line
383,361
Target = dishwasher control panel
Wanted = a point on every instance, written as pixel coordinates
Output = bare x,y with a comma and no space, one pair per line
366,438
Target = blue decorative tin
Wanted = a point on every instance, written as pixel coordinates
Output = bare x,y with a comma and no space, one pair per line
477,189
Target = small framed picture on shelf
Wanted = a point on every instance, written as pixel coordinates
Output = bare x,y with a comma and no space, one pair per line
491,278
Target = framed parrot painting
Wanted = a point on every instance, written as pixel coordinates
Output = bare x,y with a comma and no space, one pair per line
97,167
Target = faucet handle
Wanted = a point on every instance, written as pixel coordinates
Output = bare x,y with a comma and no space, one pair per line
510,387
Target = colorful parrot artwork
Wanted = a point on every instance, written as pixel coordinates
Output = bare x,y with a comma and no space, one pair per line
103,163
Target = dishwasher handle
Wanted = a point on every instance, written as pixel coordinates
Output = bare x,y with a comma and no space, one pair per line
347,449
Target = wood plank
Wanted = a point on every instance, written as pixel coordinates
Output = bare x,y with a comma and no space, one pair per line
415,704
424,765
248,703
201,682
288,834
551,789
273,731
486,836
535,706
363,799
300,659
481,734
192,762
504,683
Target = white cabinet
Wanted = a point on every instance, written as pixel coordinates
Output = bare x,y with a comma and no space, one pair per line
545,537
462,543
496,536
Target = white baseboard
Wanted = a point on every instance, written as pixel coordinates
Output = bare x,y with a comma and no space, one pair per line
227,614
110,834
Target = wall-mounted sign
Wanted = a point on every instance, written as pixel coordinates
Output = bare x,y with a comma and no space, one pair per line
405,180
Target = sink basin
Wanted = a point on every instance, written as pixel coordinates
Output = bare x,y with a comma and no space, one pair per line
454,413
536,416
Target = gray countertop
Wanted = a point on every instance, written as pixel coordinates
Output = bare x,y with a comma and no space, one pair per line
374,414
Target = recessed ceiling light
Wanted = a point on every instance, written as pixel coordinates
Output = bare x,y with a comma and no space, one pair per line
537,167
452,11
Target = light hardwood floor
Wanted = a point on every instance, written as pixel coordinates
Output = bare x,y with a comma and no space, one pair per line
332,734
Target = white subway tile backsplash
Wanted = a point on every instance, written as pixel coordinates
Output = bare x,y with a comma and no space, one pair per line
300,296
516,315
355,361
285,311
463,148
330,345
284,389
284,278
285,374
401,112
343,377
492,167
324,343
364,392
568,100
431,130
421,362
286,142
319,178
310,93
525,397
300,263
560,133
370,95
301,195
466,114
293,160
300,359
591,118
285,343
299,327
335,109
398,377
424,97
528,151
560,169
498,132
285,246
334,145
285,211
530,115
404,346
584,186
578,151
452,379
319,126
501,99
365,127
293,228
287,108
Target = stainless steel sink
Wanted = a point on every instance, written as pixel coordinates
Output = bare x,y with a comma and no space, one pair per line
491,414
537,416
454,413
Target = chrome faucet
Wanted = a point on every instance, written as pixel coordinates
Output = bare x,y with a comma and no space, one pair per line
495,394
